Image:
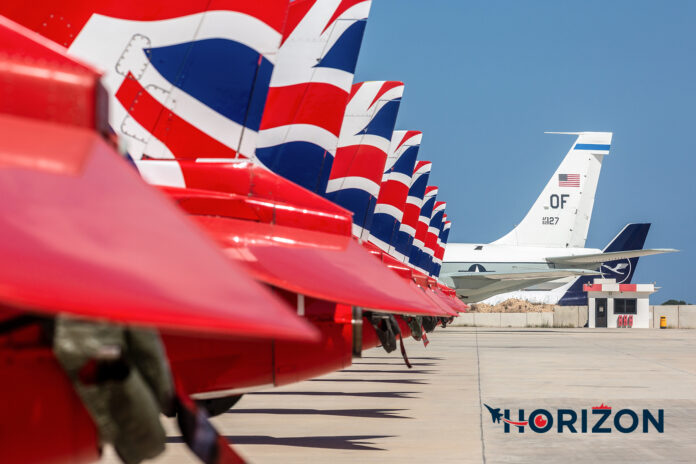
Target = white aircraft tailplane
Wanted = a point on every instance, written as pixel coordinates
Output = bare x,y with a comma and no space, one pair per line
561,215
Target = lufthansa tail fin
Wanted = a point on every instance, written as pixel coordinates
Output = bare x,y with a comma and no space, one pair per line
561,215
631,237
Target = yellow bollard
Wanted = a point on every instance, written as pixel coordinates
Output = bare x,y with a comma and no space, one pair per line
663,322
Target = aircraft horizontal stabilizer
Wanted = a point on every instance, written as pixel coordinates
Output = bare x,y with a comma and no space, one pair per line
597,258
550,274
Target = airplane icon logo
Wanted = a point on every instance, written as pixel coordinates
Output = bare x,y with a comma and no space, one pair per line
620,271
496,415
618,268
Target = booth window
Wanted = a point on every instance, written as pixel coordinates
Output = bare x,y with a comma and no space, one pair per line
624,306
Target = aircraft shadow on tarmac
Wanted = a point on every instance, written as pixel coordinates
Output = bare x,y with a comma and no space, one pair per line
429,358
346,442
405,381
382,394
397,363
378,371
365,413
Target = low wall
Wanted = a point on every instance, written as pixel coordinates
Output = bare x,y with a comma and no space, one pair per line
504,320
678,317
538,319
687,317
486,319
569,316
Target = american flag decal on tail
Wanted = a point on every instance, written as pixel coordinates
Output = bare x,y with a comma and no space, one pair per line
569,180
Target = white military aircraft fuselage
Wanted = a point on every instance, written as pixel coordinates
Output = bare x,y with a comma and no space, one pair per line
549,243
479,271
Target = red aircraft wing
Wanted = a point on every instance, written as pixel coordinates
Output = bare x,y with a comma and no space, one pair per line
408,274
81,233
300,241
318,264
455,302
447,302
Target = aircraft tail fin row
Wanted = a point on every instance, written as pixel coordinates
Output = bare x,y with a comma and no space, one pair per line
560,217
283,96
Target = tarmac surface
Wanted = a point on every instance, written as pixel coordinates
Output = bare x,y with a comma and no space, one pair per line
380,411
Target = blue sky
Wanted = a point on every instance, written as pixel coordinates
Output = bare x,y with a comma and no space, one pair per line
485,79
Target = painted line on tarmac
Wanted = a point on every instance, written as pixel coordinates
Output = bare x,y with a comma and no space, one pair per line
478,369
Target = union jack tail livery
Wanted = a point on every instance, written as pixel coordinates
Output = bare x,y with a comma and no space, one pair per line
393,192
362,151
442,243
432,237
419,249
309,89
188,80
414,201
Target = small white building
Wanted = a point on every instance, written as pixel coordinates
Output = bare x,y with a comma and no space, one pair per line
613,305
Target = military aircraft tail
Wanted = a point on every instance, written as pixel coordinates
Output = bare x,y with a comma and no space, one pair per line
631,237
414,202
309,90
185,80
393,191
363,147
418,249
561,215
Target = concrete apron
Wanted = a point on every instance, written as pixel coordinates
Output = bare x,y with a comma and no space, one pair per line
380,411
